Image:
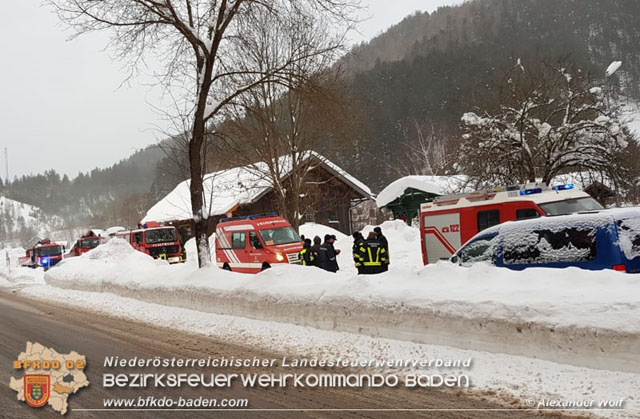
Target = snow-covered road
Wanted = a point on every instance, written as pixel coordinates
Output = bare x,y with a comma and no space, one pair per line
531,380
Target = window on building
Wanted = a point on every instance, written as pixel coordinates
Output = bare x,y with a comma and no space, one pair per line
309,217
488,219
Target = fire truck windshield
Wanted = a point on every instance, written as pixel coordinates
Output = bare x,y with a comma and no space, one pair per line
49,251
161,235
282,235
569,206
89,243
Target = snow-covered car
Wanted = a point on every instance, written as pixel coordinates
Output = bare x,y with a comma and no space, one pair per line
594,240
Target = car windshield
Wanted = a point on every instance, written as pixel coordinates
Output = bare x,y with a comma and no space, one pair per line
89,243
161,235
282,235
49,251
569,206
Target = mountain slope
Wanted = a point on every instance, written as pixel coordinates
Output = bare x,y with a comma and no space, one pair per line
431,68
22,223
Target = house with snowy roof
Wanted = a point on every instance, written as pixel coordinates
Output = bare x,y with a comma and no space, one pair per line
331,194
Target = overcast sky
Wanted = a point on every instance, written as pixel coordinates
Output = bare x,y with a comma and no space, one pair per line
62,106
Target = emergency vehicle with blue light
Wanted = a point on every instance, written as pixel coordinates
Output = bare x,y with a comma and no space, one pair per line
44,254
447,222
256,242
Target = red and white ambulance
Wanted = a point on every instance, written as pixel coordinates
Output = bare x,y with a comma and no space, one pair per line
157,241
449,221
254,243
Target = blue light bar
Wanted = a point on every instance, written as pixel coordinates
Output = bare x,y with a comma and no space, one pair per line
45,261
563,187
531,191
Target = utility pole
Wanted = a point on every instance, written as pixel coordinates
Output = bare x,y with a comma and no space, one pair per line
6,165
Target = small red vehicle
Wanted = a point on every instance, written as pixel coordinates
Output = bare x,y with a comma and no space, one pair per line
44,254
449,221
254,243
159,242
85,243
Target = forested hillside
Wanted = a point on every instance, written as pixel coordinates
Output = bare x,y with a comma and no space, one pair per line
431,68
414,81
89,195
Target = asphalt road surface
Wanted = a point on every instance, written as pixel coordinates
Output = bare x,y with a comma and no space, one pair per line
96,336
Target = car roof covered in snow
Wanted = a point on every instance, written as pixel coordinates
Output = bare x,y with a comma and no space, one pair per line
226,189
587,218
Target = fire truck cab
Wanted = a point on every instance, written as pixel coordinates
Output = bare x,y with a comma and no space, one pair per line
85,243
159,242
449,221
44,254
254,243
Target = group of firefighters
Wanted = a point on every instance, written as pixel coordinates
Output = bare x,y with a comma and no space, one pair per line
370,255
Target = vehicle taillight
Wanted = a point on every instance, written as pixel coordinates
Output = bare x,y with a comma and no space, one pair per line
619,268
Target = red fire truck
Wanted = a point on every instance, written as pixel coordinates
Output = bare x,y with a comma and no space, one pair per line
449,221
85,243
44,254
160,242
254,243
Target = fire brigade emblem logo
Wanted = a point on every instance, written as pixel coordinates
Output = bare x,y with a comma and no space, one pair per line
36,389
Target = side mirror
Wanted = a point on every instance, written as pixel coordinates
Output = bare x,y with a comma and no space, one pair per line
455,259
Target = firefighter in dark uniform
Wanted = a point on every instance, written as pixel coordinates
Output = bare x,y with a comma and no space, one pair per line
327,254
306,255
374,255
385,245
358,250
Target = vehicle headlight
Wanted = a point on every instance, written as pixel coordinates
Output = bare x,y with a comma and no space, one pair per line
279,257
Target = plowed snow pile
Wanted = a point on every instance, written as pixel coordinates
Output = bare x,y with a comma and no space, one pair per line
571,315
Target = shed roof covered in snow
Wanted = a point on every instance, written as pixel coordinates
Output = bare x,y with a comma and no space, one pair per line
433,185
226,190
405,195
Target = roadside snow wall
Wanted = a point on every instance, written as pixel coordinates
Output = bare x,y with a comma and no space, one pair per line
570,316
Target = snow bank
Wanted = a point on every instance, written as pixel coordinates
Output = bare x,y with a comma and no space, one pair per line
310,230
10,256
21,276
573,316
116,259
12,274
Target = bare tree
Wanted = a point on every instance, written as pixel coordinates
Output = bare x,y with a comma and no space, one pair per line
428,154
552,119
278,125
206,47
